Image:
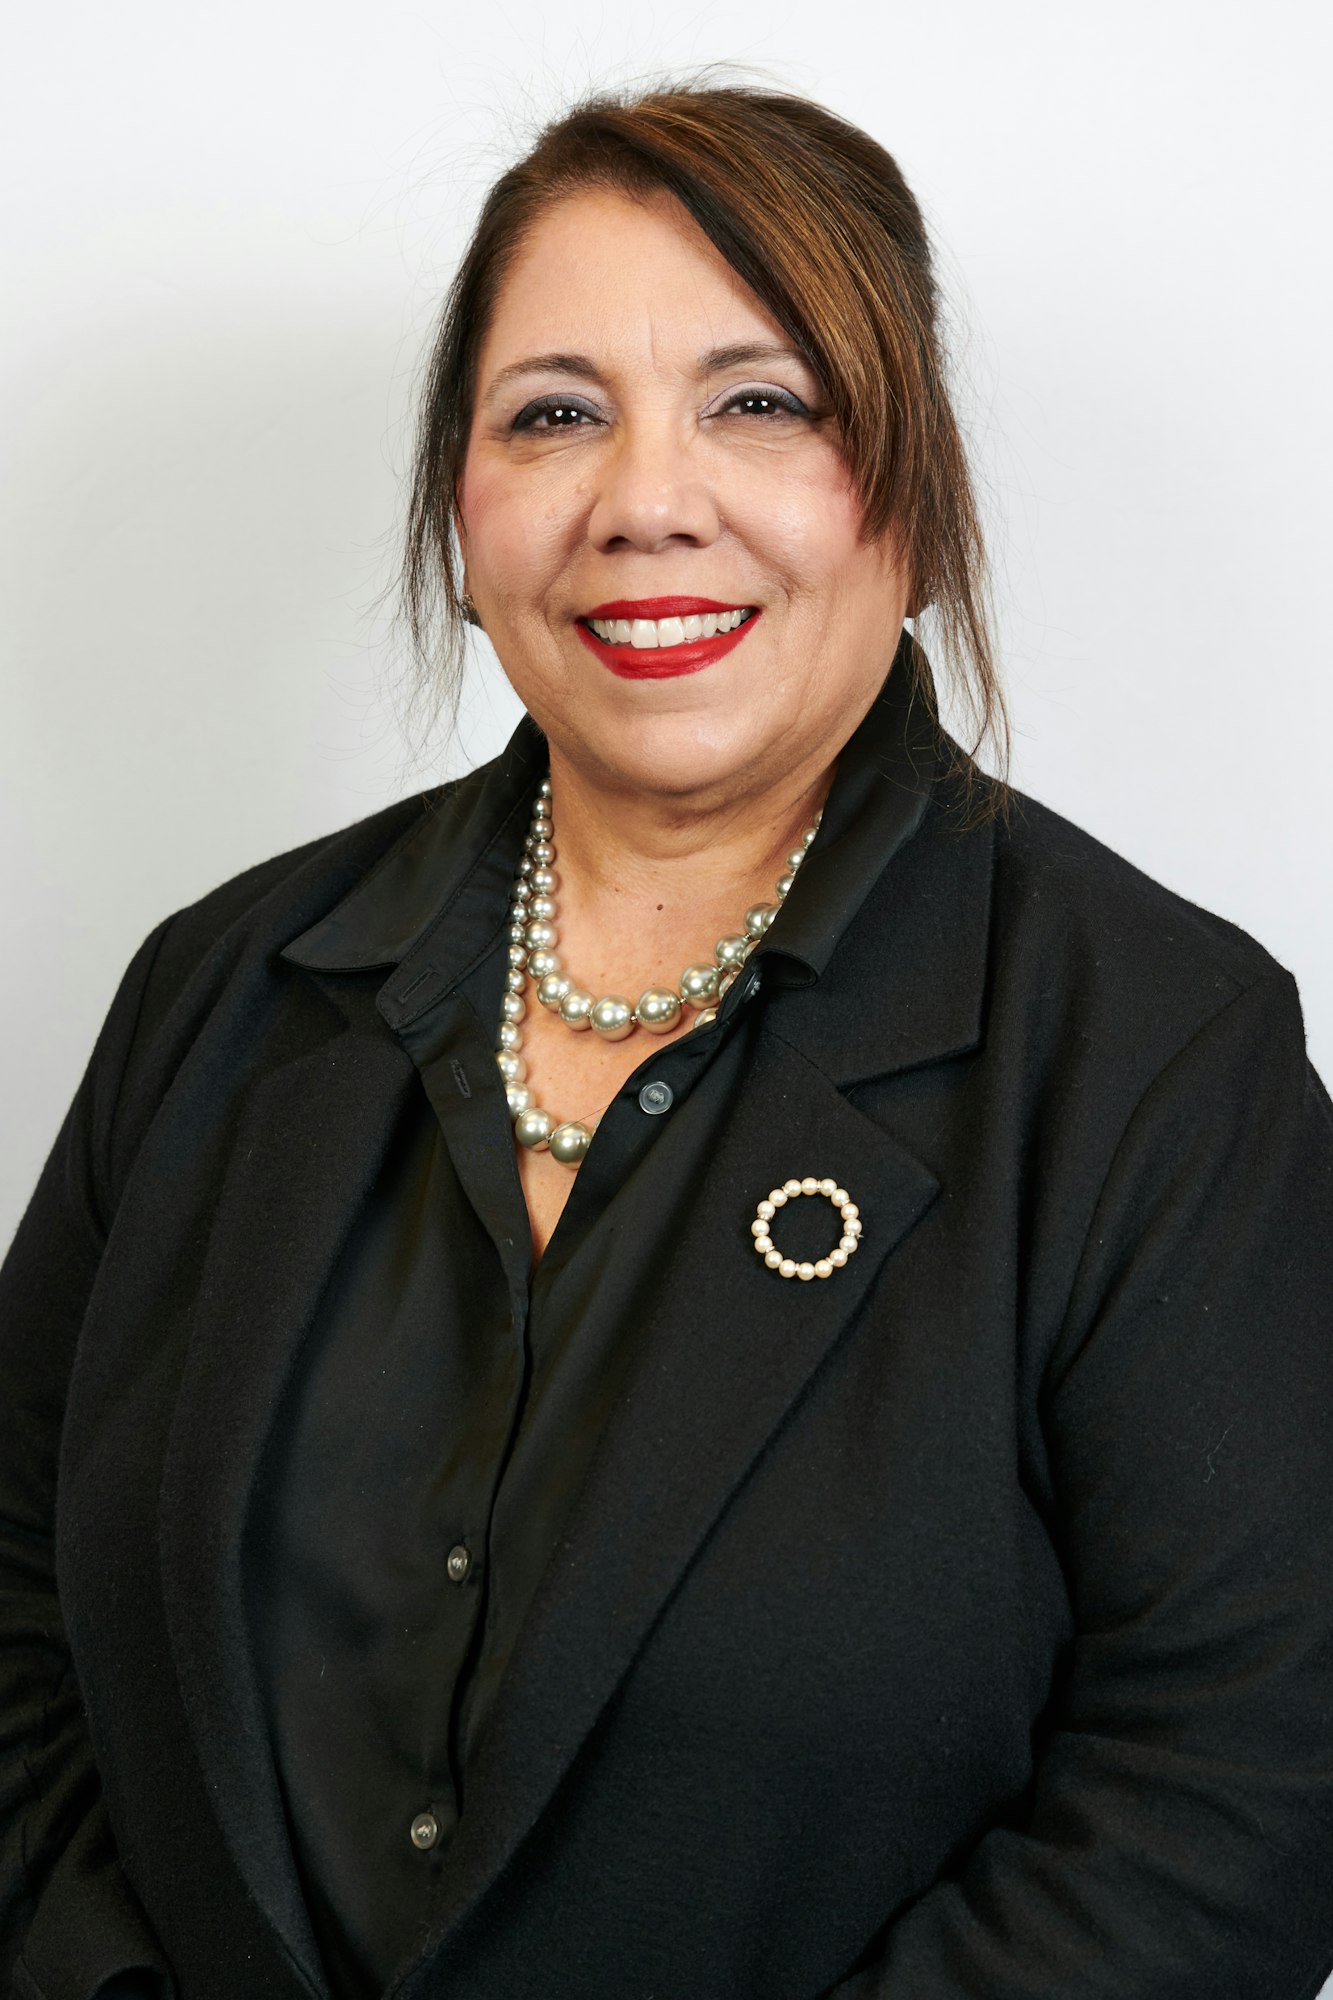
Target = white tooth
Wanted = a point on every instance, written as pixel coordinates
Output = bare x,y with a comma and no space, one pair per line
710,625
671,631
642,633
601,628
694,627
619,630
724,619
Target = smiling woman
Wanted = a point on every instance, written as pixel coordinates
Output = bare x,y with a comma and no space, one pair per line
695,1364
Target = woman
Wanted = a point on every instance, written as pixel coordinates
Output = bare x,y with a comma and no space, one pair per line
826,1490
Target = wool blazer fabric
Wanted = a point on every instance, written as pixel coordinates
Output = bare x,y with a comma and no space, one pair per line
957,1628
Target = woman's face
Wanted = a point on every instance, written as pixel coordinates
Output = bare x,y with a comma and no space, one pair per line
619,454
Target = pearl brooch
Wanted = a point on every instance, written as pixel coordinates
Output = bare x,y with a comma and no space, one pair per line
778,1197
533,935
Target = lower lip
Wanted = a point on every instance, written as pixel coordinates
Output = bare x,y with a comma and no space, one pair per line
664,663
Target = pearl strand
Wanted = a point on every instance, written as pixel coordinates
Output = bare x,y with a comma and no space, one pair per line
533,936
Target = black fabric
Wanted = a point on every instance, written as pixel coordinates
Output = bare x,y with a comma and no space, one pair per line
446,1398
959,1626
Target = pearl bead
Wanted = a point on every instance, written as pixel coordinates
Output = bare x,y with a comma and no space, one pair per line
544,789
848,1245
698,984
512,1007
809,1185
612,1017
763,1244
805,1271
511,1067
731,951
840,1197
526,865
544,881
823,1268
759,918
827,1187
518,957
541,833
568,1143
507,1036
541,961
533,1129
807,838
725,984
766,1211
853,1227
541,937
518,930
706,1019
788,1267
837,1258
552,988
520,1098
658,1010
542,852
575,1008
792,1187
516,978
773,1259
795,858
783,884
849,1210
759,1228
542,909
778,1197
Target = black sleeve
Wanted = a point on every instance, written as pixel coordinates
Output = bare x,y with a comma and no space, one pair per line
71,1927
1180,1841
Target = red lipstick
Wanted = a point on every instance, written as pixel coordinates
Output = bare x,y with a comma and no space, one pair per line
647,663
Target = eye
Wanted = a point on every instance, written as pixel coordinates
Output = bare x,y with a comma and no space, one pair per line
563,412
765,403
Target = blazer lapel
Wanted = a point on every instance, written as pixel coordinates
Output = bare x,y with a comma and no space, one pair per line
308,1148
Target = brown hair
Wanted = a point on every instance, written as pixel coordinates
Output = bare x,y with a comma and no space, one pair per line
818,221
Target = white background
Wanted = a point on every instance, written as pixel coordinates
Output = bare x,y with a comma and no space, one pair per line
224,233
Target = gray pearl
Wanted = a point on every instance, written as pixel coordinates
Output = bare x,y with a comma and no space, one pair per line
543,854
517,931
542,962
658,1010
544,881
544,789
533,1129
520,1098
698,984
542,910
759,918
526,864
795,858
507,1036
541,937
576,1009
731,951
518,956
511,1067
516,978
569,1143
708,1016
783,884
552,988
612,1018
513,1007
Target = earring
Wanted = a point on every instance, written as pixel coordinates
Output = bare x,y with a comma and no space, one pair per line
469,609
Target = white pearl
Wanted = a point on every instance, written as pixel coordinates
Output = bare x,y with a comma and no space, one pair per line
827,1186
731,951
788,1267
507,1036
516,978
698,984
763,1244
805,1271
847,1245
778,1197
809,1185
533,1129
658,1010
840,1196
791,1187
765,1211
552,988
518,957
518,931
511,1067
773,1259
541,937
519,1098
612,1017
824,1268
852,1228
759,1228
849,1209
576,1008
837,1258
541,962
513,1007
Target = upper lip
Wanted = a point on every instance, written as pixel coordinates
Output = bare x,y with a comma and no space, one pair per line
659,607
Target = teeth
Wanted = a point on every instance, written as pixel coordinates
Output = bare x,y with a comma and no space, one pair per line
645,632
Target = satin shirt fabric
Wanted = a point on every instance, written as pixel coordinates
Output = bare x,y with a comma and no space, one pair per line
956,1627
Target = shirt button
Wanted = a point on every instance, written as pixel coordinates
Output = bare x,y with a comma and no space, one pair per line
459,1563
656,1097
425,1830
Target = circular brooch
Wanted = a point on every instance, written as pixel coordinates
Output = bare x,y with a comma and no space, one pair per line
778,1197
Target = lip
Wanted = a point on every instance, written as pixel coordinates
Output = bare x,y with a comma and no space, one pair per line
659,607
662,663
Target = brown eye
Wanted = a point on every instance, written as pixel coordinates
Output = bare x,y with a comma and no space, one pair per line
564,415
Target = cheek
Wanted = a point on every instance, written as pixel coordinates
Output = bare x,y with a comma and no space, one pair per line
513,539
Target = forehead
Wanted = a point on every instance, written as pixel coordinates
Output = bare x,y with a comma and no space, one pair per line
601,266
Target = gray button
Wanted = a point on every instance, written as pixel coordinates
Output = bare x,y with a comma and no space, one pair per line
425,1830
751,985
656,1097
459,1563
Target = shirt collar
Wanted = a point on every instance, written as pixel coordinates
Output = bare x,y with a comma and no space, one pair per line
434,904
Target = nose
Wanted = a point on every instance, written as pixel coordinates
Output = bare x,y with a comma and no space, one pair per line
650,490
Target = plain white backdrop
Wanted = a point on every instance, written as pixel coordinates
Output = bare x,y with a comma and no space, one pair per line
225,231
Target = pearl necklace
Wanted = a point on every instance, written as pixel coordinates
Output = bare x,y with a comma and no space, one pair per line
533,959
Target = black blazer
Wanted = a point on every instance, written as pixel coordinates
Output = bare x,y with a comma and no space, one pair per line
956,1628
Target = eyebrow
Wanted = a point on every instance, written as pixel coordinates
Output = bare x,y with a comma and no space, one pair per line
738,354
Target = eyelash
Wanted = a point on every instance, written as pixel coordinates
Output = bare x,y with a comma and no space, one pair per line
786,405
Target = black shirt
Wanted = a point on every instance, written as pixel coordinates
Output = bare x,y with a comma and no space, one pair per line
448,1398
